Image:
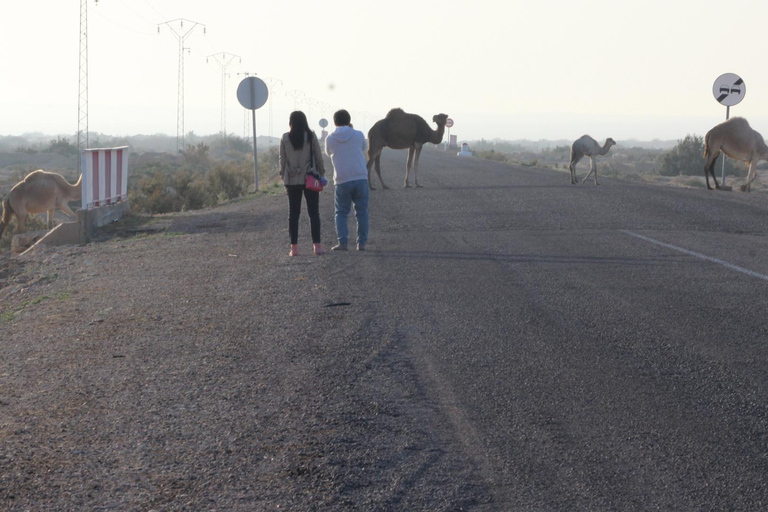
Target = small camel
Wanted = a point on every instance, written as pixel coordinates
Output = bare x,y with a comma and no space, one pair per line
587,146
39,192
737,140
400,130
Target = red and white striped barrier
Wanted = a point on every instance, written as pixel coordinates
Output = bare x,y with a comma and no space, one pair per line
105,176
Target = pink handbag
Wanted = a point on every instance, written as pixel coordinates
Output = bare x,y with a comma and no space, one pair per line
313,182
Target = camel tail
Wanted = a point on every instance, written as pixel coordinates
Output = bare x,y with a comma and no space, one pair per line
7,212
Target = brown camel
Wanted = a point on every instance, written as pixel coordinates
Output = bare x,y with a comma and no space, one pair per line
39,192
737,140
400,130
587,146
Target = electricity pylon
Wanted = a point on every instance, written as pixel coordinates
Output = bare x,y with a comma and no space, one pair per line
181,36
272,84
223,59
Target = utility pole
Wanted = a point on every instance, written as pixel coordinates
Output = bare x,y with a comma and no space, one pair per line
224,59
271,83
82,104
181,35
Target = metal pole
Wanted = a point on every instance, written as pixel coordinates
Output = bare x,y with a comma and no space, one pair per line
722,172
255,158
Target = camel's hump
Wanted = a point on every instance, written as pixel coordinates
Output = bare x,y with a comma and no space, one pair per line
395,112
35,174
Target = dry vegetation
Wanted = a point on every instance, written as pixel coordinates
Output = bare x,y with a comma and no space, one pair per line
210,172
627,160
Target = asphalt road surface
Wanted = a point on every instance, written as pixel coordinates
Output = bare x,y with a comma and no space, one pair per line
509,341
591,347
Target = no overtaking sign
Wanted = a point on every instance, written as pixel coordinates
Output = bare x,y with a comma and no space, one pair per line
729,89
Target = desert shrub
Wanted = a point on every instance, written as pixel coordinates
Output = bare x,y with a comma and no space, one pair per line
196,157
686,159
62,146
694,183
492,154
229,181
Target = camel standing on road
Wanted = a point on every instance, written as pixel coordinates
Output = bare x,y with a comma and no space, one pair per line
39,192
587,146
737,140
400,130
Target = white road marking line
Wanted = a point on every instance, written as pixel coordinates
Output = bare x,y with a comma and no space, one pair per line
699,255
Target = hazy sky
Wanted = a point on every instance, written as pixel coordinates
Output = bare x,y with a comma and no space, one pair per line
501,69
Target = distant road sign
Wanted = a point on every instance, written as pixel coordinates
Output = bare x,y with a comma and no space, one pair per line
252,93
448,122
729,89
323,123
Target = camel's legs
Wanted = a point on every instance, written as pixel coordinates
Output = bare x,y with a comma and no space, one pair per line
416,167
374,158
592,169
66,209
751,175
49,216
572,167
378,171
408,164
709,168
21,220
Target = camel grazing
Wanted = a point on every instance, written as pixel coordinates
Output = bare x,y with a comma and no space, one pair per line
39,192
587,146
737,140
400,130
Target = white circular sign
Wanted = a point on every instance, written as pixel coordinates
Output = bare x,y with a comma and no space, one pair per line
323,123
448,122
729,89
252,93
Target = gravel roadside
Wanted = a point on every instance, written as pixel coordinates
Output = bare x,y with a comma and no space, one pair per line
200,368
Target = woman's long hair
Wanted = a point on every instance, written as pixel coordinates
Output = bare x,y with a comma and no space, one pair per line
299,126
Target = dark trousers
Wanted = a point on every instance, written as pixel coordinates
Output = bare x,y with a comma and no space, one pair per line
313,208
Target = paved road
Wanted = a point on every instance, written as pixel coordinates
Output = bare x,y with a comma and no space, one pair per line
591,348
509,342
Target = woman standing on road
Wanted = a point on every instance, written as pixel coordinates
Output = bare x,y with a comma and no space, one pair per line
298,148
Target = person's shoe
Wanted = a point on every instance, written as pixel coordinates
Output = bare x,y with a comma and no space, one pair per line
340,247
294,250
318,249
360,247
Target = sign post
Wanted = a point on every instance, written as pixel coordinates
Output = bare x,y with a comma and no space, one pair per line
252,93
729,89
449,124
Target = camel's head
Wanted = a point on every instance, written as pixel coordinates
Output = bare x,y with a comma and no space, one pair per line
609,142
440,119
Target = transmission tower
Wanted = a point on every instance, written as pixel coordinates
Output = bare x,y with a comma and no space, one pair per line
296,95
224,59
82,105
181,35
272,84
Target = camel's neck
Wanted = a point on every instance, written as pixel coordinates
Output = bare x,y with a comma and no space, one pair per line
79,185
605,148
437,136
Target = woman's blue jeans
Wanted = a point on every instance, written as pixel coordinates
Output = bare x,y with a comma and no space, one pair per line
347,194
